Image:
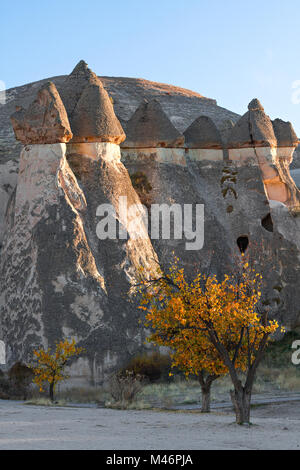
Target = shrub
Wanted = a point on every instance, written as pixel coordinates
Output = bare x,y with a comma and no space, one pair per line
5,389
20,377
142,186
153,367
125,386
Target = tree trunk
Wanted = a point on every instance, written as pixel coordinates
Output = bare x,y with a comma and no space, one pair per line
241,400
205,398
51,391
206,384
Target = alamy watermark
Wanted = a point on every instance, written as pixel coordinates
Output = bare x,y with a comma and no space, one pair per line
2,353
167,222
296,354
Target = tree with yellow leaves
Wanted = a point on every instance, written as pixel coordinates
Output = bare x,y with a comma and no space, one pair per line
194,355
50,368
211,325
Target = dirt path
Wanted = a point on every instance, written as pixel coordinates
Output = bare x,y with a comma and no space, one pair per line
276,426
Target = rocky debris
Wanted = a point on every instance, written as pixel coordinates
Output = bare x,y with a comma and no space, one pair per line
285,134
45,121
94,119
203,134
254,129
150,127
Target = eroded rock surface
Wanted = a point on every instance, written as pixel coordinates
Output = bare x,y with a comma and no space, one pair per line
253,129
62,277
150,127
50,283
93,119
203,134
45,121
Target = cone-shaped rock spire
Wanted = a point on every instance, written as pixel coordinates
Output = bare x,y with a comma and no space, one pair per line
255,104
94,119
45,121
150,127
285,134
89,108
203,134
254,129
74,85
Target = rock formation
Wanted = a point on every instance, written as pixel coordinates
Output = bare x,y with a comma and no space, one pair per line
253,139
182,107
287,142
150,127
63,276
73,85
203,140
93,119
254,129
203,134
45,121
57,278
164,178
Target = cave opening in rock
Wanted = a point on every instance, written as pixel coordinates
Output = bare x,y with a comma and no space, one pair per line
242,243
267,223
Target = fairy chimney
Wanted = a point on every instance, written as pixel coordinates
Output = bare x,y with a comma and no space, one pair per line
254,129
45,121
203,140
150,127
94,119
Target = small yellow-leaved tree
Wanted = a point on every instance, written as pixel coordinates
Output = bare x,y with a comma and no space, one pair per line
211,325
50,368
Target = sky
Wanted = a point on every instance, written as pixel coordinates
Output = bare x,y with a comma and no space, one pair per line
229,50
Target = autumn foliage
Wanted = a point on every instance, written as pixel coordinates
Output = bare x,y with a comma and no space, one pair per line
50,368
212,326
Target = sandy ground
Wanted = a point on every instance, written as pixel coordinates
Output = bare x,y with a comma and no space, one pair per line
275,426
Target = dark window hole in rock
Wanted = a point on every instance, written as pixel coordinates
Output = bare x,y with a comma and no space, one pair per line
267,223
243,243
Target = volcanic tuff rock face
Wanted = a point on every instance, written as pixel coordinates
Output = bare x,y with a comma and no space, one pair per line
49,279
182,106
59,279
93,118
253,140
284,133
45,121
254,128
203,134
150,127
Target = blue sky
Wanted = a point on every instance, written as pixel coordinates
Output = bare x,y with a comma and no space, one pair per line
230,50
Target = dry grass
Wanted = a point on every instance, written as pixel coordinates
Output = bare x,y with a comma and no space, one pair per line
83,395
45,402
275,374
